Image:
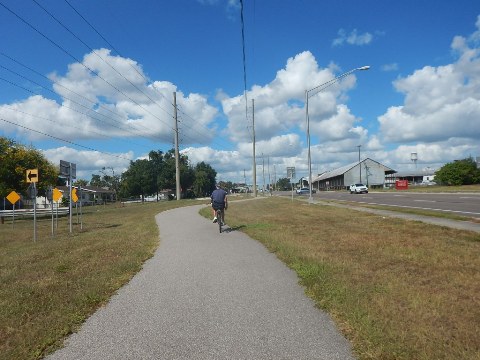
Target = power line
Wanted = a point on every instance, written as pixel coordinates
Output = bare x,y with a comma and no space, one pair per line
78,61
135,69
67,141
94,72
68,125
65,106
101,58
118,52
73,101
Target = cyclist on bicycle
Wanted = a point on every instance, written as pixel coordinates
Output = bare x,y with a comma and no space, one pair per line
219,201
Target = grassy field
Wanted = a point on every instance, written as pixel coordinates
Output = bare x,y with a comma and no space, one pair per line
396,289
49,287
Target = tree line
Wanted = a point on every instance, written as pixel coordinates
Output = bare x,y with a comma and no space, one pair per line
150,176
143,177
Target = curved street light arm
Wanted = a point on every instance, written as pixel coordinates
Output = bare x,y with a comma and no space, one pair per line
329,83
315,91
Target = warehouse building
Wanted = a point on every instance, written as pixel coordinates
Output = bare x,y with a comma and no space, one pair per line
368,172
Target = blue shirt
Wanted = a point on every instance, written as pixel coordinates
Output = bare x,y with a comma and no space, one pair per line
218,196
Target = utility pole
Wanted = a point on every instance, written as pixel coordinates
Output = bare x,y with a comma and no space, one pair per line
263,174
269,180
274,177
177,156
254,162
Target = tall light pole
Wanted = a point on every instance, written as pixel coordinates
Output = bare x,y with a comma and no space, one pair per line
359,165
309,94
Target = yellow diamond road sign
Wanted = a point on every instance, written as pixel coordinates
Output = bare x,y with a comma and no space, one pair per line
74,195
57,194
32,176
13,197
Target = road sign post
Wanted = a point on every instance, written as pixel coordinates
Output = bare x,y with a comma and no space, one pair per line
49,196
69,170
13,197
291,176
56,195
32,194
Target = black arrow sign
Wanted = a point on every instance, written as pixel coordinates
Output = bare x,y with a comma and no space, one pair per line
31,176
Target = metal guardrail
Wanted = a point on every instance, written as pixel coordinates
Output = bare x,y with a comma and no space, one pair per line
29,212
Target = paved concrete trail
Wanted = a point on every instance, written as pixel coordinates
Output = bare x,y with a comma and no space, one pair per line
206,295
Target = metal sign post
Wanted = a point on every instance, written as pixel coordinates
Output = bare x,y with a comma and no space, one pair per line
56,196
32,194
69,170
32,178
81,213
291,176
13,197
70,197
50,198
35,213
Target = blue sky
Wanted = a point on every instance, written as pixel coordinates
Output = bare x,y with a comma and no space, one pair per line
102,95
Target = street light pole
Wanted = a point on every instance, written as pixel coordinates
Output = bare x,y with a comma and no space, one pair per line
309,94
359,165
309,156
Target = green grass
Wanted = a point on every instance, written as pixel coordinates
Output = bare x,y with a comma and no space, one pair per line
397,289
49,287
406,210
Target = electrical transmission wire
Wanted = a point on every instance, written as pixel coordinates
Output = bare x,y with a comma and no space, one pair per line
64,140
118,52
137,133
101,58
65,106
203,133
78,61
195,129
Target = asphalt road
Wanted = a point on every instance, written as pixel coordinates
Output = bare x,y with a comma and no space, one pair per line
459,204
206,295
455,203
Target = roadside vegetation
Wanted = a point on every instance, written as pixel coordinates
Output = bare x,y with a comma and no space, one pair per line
49,287
397,289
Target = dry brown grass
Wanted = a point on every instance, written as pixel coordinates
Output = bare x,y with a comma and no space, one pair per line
49,287
397,289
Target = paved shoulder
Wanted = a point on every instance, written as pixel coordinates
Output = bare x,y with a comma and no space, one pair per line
206,295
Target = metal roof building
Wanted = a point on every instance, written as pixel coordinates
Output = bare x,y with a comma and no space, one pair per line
368,172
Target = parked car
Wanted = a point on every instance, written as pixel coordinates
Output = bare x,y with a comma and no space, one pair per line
428,183
358,189
305,190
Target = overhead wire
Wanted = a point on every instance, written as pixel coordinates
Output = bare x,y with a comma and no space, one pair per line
92,71
8,107
60,85
63,105
78,61
101,58
135,69
64,140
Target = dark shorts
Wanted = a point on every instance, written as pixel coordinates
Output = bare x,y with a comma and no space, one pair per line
218,206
